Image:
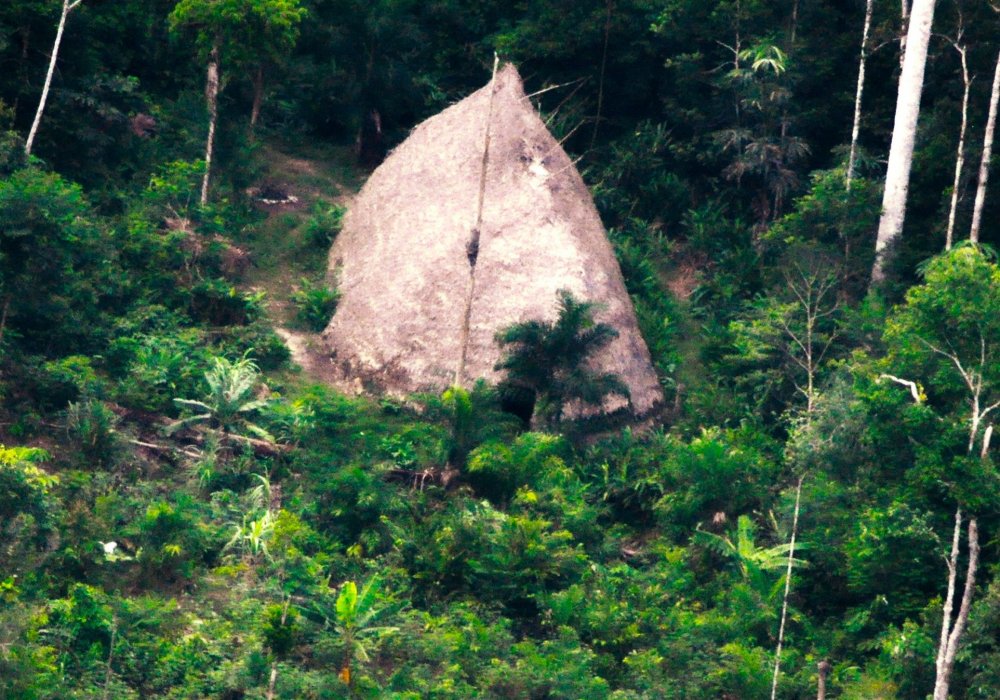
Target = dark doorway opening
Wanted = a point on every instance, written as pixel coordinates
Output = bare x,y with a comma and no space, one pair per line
518,401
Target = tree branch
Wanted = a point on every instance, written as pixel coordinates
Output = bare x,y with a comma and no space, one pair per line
914,389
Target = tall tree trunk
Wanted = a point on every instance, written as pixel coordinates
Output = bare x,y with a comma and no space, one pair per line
949,600
823,668
67,7
788,588
897,180
212,99
862,61
951,636
948,646
984,163
960,155
258,95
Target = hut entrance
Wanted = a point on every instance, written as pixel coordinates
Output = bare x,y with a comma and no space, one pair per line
518,402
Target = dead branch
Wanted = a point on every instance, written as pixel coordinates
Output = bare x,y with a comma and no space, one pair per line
914,389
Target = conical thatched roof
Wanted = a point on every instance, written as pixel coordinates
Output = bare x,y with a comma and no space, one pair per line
421,302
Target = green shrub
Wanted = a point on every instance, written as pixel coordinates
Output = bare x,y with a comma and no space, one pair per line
257,339
497,470
314,304
325,222
11,152
159,367
470,417
219,303
26,506
230,400
64,380
92,425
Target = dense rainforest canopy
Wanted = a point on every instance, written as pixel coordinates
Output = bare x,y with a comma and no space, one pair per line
187,510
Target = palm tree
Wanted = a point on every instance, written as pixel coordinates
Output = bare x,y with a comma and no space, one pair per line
762,148
471,417
548,360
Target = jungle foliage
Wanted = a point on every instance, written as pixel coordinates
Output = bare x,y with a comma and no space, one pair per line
183,514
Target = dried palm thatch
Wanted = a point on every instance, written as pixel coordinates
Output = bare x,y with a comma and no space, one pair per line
473,223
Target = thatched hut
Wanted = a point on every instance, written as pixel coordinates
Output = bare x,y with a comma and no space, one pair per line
473,223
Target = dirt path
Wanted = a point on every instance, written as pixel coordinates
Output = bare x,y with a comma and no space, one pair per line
312,180
307,352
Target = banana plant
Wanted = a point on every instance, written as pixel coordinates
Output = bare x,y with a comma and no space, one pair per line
252,535
751,560
230,399
354,615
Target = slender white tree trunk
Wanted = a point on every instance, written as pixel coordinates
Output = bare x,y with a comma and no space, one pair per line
67,7
951,636
984,163
856,129
949,600
788,588
960,155
904,132
948,647
212,99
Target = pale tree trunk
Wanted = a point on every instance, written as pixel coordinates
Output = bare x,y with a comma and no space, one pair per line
788,588
67,7
258,95
824,670
951,636
810,289
960,155
904,132
948,647
949,600
212,99
856,129
984,163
